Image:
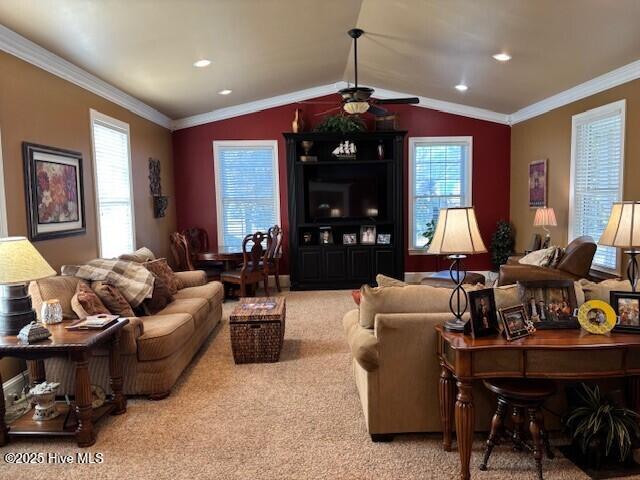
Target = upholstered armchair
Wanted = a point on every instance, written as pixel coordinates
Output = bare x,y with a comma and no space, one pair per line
575,264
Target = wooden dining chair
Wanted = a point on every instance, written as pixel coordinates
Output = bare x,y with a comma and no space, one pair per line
198,239
183,257
252,271
273,254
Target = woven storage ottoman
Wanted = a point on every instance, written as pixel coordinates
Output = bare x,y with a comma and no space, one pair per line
257,329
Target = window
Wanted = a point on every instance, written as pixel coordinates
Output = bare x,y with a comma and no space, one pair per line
247,192
112,176
439,177
597,162
3,205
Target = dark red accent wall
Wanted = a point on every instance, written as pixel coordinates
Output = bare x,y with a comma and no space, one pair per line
194,174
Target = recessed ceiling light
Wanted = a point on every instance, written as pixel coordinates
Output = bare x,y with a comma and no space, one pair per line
226,91
202,63
502,57
462,87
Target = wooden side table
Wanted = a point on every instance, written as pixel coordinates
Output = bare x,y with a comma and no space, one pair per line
76,345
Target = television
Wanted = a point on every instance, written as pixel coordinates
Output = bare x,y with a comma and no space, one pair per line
340,194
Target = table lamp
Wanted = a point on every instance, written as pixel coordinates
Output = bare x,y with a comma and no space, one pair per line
623,231
545,217
20,263
457,236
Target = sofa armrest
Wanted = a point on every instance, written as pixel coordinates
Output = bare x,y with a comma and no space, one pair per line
510,274
362,342
193,278
129,336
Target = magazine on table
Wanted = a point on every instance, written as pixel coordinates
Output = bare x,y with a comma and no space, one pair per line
94,322
260,305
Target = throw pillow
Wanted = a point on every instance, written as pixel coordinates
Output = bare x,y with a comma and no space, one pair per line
86,302
113,299
540,258
556,257
145,254
355,294
160,268
384,281
131,257
160,297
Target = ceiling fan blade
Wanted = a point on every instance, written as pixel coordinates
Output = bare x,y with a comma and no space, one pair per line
377,111
327,111
317,103
397,101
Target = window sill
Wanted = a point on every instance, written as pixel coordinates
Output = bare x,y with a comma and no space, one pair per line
418,251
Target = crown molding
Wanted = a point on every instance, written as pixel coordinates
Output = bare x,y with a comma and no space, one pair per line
599,84
309,93
26,50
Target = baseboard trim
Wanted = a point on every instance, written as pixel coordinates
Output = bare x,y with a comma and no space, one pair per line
15,385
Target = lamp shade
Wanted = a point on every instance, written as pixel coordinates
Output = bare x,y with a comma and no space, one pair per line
356,107
20,262
623,229
545,217
457,233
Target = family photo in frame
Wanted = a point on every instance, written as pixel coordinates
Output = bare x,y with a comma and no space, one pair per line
484,315
627,308
550,303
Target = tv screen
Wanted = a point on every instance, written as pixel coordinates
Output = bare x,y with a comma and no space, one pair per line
346,197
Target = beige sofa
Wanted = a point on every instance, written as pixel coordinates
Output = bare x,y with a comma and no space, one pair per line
155,349
392,341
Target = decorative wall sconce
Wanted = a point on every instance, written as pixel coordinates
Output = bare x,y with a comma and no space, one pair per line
160,202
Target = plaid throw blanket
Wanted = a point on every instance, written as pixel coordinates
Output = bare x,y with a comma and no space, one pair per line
133,280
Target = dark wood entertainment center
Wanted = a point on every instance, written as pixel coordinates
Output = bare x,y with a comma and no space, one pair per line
335,265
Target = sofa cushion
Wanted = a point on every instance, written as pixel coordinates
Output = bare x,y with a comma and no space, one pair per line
164,335
198,308
384,281
112,299
192,278
62,288
602,290
362,342
409,299
213,292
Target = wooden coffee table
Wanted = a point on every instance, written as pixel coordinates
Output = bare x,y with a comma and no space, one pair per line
76,345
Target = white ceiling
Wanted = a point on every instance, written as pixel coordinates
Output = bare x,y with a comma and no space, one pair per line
263,48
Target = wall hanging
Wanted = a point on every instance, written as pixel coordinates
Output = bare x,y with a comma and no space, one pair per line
160,202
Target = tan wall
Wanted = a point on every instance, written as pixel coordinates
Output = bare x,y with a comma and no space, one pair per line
549,136
38,107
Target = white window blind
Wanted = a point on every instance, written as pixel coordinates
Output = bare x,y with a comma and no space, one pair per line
112,169
439,177
247,192
596,175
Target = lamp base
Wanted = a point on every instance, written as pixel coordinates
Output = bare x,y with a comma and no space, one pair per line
456,325
15,309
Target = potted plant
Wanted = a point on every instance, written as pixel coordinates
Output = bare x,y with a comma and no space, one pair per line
602,429
502,243
341,123
428,233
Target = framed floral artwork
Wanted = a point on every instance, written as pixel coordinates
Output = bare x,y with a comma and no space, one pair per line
538,184
54,192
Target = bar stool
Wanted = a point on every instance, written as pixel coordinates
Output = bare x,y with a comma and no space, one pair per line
524,397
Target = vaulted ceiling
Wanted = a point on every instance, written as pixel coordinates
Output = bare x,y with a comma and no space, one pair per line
263,48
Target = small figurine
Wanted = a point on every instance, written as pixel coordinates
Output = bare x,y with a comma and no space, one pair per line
44,394
34,332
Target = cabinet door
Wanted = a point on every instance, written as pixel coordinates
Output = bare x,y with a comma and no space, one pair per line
310,264
384,263
335,264
360,265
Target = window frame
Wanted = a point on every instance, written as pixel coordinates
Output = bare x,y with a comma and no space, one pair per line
468,191
4,227
576,120
217,144
123,127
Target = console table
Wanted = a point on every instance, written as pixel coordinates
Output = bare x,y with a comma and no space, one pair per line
554,354
77,345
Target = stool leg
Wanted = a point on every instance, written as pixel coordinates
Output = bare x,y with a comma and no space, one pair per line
518,420
496,427
534,428
545,436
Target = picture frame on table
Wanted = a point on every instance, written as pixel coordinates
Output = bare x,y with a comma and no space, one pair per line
538,183
627,308
515,322
484,315
368,235
54,191
550,304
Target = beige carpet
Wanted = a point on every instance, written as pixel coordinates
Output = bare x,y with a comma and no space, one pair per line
297,419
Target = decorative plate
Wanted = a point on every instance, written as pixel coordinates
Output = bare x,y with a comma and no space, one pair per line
596,316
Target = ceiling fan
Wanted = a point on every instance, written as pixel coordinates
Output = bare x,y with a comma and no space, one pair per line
359,99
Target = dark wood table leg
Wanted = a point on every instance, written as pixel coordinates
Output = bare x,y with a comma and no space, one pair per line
447,396
115,376
37,373
464,426
4,431
633,393
85,435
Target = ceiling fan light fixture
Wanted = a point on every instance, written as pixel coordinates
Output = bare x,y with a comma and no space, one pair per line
356,107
